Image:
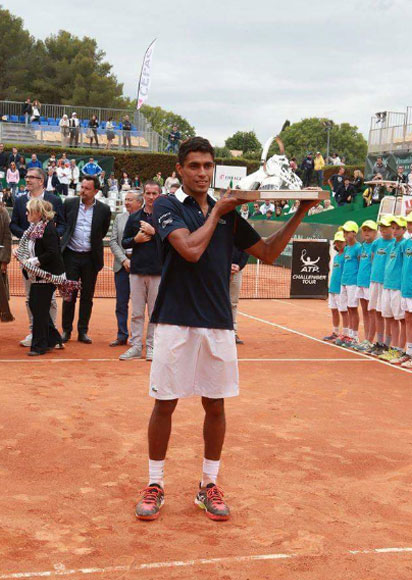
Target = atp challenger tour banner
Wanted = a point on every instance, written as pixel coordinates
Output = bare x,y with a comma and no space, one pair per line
310,269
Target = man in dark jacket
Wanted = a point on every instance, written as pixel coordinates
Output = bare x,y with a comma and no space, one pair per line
345,193
307,168
27,111
87,223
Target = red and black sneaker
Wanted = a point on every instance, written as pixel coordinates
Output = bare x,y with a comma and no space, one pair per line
153,498
210,499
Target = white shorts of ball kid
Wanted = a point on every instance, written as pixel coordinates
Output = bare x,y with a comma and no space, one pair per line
363,293
348,297
406,304
334,301
190,361
392,304
375,296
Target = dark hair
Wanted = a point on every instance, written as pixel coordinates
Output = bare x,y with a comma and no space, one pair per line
194,144
152,182
40,173
94,178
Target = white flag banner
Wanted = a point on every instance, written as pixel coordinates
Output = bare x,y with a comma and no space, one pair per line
145,76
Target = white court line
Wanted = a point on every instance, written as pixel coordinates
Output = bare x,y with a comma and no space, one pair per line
299,333
61,570
63,360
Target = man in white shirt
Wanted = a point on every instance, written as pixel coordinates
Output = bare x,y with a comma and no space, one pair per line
268,205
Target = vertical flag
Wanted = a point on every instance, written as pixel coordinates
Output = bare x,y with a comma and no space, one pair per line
145,74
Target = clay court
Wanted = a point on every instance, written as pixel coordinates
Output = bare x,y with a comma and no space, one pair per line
316,465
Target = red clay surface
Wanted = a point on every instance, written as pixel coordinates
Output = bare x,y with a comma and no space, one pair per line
317,460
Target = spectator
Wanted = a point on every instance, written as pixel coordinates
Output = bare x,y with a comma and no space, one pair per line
345,193
88,222
121,265
336,159
125,182
173,139
327,205
5,256
307,167
104,185
173,188
3,158
13,178
256,209
336,180
64,125
171,180
36,109
21,166
63,174
91,168
110,135
14,156
74,126
244,211
74,176
145,269
319,164
380,168
7,199
34,162
358,180
51,162
136,182
158,178
113,183
343,160
409,180
21,191
27,111
278,210
92,130
52,181
374,193
294,207
293,164
127,128
267,206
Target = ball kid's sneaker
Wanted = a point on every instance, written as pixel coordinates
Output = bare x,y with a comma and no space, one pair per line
210,499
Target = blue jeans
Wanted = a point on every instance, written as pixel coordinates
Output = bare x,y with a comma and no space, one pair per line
319,177
172,147
122,284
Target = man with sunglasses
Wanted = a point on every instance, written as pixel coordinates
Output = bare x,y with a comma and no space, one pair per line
35,179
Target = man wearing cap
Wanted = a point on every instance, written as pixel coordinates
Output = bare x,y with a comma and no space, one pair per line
349,299
319,164
369,230
74,129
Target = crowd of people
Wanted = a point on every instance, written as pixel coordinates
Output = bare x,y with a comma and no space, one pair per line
375,273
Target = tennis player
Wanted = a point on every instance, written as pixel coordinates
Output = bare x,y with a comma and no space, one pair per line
194,343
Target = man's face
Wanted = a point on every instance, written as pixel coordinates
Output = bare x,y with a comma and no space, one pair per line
346,182
131,203
87,191
400,169
269,214
1,147
174,188
341,171
197,171
14,151
91,160
386,232
151,192
33,181
34,157
368,235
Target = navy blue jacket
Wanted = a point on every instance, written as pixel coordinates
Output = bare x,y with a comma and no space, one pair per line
19,222
146,257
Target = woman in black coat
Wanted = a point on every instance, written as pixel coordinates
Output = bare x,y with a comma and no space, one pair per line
43,249
92,130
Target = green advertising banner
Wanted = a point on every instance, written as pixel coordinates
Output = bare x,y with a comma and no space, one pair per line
392,162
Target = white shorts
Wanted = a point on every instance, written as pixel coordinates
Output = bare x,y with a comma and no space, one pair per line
348,297
375,296
334,301
391,304
406,304
362,292
191,361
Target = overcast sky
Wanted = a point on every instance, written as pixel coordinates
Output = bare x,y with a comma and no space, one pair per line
230,65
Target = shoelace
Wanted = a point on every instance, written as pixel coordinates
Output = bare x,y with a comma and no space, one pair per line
215,494
150,494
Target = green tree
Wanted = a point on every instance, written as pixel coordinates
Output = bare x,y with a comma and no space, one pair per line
162,121
310,135
245,141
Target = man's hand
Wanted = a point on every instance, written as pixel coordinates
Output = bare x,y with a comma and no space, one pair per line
3,267
307,204
147,228
227,203
126,264
141,237
234,268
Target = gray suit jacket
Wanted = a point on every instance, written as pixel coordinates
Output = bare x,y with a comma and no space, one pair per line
116,240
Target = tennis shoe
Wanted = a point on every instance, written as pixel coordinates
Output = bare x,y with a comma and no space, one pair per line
331,337
389,354
407,364
379,348
349,342
363,346
210,499
401,359
153,498
340,340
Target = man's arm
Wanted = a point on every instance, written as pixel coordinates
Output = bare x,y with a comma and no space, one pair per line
59,217
107,218
269,249
114,244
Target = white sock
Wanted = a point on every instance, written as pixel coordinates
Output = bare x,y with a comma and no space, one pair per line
409,348
336,329
350,333
210,471
345,331
156,471
355,334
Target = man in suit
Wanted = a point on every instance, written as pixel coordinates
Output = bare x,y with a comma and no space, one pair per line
87,223
121,265
36,180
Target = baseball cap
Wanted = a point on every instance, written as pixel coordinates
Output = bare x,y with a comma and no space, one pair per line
370,224
399,220
385,220
409,217
349,226
339,237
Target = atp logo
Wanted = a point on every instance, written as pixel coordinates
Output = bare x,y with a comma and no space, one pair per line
309,265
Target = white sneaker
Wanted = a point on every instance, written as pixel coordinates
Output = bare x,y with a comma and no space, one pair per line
26,341
149,353
133,352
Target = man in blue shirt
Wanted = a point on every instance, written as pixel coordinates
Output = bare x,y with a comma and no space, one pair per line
194,343
34,162
92,168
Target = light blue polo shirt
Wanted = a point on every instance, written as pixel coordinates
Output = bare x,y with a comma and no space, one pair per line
380,253
351,264
365,265
393,266
406,281
336,276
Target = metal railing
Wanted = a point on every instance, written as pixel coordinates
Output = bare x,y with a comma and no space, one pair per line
389,139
